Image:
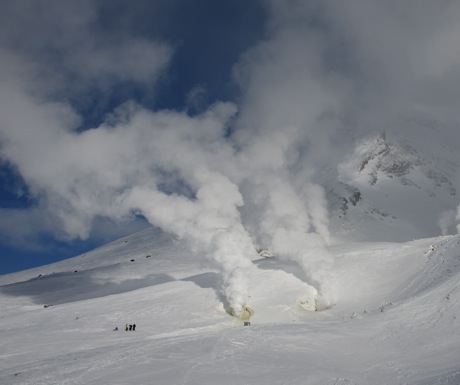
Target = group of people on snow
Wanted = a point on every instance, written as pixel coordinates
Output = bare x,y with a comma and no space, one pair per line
127,327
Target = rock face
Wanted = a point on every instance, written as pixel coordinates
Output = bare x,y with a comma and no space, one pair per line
389,190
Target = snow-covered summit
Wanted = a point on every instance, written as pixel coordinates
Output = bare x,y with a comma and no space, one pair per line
376,159
388,190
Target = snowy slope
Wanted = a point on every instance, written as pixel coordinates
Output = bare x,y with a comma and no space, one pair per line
396,321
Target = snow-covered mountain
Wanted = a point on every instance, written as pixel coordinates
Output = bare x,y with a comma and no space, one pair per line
396,319
386,189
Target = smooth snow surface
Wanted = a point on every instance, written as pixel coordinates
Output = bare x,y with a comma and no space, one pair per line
396,320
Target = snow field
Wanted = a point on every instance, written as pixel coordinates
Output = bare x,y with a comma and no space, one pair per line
396,320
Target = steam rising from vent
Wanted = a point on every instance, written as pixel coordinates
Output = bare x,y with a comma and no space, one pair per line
210,224
225,180
83,129
287,227
178,182
184,175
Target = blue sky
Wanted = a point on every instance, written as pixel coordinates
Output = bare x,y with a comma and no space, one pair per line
117,115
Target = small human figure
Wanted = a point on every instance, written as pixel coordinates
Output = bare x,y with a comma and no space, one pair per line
130,327
126,327
116,329
134,327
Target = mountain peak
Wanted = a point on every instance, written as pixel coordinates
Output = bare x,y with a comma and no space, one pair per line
393,187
